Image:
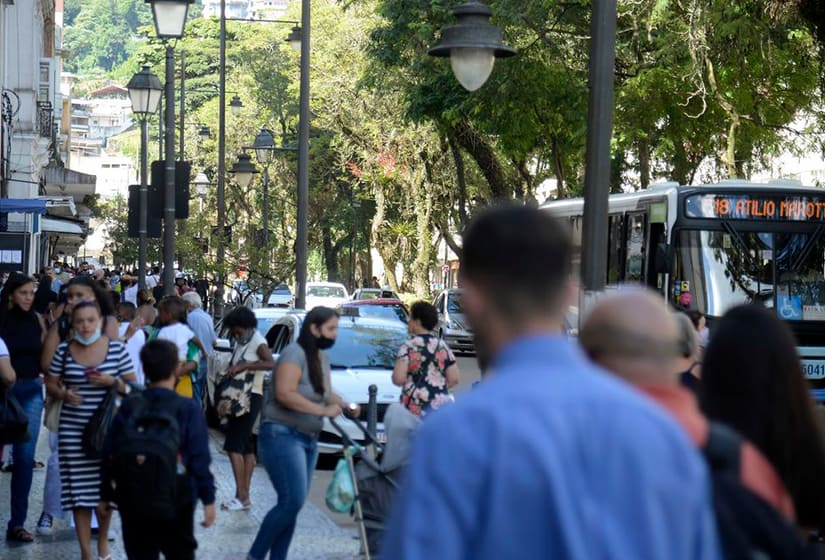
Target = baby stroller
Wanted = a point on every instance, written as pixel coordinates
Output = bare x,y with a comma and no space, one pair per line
375,481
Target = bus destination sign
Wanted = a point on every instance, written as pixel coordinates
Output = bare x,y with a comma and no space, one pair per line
771,208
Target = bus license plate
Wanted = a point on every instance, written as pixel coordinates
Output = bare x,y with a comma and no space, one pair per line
813,369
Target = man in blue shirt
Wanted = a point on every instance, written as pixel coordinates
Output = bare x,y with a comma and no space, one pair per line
201,324
549,457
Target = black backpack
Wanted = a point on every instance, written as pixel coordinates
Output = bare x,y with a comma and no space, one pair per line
749,527
149,480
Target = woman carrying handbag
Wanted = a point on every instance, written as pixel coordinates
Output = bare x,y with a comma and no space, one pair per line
91,365
250,359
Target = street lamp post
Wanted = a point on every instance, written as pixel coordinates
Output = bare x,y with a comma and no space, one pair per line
264,147
302,234
473,44
144,93
170,20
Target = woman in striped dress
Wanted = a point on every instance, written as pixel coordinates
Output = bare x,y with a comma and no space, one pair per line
89,365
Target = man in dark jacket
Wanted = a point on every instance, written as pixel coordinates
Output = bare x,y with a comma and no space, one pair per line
143,538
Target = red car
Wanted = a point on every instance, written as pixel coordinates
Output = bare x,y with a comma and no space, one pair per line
381,308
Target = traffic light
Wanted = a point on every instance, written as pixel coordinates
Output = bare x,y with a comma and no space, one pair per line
153,213
182,171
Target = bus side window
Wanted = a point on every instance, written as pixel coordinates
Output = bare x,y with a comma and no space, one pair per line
635,234
615,249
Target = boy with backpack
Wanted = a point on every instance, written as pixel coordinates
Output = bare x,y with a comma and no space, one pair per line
158,463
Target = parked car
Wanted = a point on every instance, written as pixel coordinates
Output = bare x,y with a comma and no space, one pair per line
362,294
452,326
380,308
363,355
281,297
329,294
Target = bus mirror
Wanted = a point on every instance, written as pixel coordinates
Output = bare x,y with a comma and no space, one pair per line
664,258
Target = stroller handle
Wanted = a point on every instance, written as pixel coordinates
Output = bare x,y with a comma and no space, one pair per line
369,461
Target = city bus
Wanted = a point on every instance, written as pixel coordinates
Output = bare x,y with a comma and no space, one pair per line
710,247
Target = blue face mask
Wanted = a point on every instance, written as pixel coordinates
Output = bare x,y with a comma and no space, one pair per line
80,339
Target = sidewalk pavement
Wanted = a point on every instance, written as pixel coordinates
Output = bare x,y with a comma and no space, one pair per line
316,536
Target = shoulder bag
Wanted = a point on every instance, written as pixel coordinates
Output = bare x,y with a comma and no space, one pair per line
53,407
233,394
14,424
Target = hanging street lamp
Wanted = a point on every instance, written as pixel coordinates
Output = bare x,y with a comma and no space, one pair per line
473,44
170,17
243,170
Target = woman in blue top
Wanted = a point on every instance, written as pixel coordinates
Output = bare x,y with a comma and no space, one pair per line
295,407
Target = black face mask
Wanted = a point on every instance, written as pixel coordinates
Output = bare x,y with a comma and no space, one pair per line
324,343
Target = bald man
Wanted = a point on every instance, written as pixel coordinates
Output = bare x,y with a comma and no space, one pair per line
633,335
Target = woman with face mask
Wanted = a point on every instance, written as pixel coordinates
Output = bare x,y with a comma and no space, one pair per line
79,289
88,365
251,357
294,410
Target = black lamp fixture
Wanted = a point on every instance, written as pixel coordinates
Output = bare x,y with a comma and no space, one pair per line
170,17
144,92
204,132
244,169
201,183
264,146
235,105
294,39
473,44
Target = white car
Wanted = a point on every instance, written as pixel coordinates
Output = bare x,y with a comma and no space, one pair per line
363,355
328,294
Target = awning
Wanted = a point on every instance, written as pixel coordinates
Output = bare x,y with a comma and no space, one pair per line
23,206
52,225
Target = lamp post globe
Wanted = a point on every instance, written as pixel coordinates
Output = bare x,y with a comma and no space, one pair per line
294,39
201,183
145,90
264,146
235,105
243,170
473,44
170,17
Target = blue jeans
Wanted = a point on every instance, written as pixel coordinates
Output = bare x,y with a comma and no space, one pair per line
29,393
289,458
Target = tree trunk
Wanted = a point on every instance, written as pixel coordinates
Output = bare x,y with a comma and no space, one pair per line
461,181
558,168
330,255
375,236
485,156
644,163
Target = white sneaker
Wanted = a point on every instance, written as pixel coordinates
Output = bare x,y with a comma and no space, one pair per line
45,526
234,505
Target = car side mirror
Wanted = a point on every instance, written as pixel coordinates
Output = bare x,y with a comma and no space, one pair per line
665,255
222,345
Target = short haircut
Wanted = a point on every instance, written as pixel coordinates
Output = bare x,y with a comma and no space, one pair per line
426,313
126,309
159,359
520,257
241,317
688,340
175,307
193,299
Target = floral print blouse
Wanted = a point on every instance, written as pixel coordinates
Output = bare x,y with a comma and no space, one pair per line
427,358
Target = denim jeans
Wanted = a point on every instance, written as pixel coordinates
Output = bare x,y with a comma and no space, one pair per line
52,488
289,458
29,393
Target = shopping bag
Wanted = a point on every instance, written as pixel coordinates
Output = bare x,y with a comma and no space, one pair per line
341,491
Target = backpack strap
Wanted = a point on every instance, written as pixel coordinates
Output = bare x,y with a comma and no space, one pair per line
723,449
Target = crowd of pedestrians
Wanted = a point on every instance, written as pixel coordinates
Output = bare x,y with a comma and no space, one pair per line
652,435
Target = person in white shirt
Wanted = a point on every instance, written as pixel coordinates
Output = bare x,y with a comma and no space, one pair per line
130,293
132,335
173,327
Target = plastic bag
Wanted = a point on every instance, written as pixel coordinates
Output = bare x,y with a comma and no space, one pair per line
95,432
341,491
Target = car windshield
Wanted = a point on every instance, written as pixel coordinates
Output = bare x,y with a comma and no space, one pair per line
454,303
360,345
282,291
326,291
395,312
369,294
720,269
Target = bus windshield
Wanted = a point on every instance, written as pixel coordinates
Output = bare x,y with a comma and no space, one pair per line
720,269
